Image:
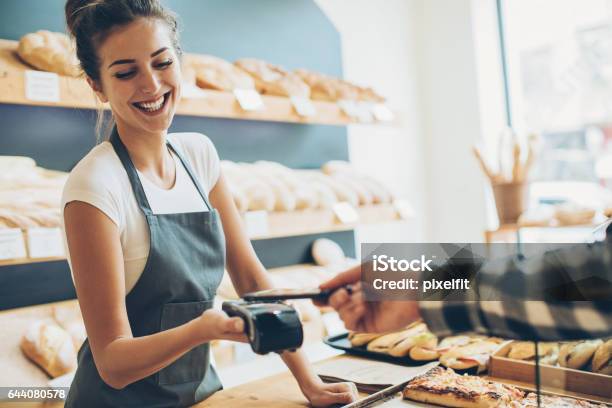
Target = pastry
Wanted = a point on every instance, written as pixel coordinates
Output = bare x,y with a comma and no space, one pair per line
49,51
50,347
388,342
602,361
577,354
475,354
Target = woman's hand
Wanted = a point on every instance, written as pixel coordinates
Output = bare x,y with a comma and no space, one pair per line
214,324
321,394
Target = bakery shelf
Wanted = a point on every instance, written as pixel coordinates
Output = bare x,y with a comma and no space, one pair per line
75,93
286,224
292,223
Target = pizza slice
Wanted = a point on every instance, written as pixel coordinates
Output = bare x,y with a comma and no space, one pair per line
446,388
553,401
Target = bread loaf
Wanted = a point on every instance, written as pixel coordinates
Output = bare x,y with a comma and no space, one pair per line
50,347
49,51
216,73
273,80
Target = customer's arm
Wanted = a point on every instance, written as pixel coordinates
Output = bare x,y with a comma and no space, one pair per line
536,298
504,308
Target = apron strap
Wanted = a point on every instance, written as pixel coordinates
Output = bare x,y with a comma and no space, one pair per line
192,175
124,156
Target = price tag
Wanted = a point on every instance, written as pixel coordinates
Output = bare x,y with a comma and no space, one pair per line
303,106
257,223
364,112
45,242
42,86
382,113
192,91
249,99
12,245
403,208
346,213
349,108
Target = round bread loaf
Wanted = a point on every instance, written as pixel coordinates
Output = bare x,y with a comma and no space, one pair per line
49,51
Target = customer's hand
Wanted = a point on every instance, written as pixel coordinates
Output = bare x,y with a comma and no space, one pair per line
321,394
215,324
367,316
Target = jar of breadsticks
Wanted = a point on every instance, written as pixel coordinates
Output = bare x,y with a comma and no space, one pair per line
509,181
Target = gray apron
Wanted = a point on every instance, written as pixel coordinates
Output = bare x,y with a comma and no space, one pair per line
179,281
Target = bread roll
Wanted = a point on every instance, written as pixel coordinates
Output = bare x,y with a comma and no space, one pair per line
50,347
258,194
389,343
49,51
326,88
474,354
216,73
422,339
69,318
525,350
602,360
273,80
577,354
327,252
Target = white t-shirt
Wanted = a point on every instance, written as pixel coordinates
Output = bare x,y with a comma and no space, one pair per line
100,180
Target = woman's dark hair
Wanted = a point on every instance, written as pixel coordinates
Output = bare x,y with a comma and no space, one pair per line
91,21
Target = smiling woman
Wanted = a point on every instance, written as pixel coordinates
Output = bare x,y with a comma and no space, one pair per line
148,218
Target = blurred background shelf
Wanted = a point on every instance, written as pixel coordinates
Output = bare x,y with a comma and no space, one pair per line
75,93
292,223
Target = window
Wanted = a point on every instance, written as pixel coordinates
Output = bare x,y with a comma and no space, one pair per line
559,72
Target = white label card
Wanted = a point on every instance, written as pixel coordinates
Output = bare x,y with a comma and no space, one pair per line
249,99
257,223
404,208
45,242
12,245
303,106
191,91
349,108
364,112
42,86
346,213
382,112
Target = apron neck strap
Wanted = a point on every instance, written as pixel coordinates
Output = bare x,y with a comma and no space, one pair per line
194,179
124,156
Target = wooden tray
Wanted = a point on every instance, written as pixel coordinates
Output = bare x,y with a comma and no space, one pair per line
579,381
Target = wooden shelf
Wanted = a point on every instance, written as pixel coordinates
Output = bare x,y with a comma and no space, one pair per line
75,93
287,224
292,223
